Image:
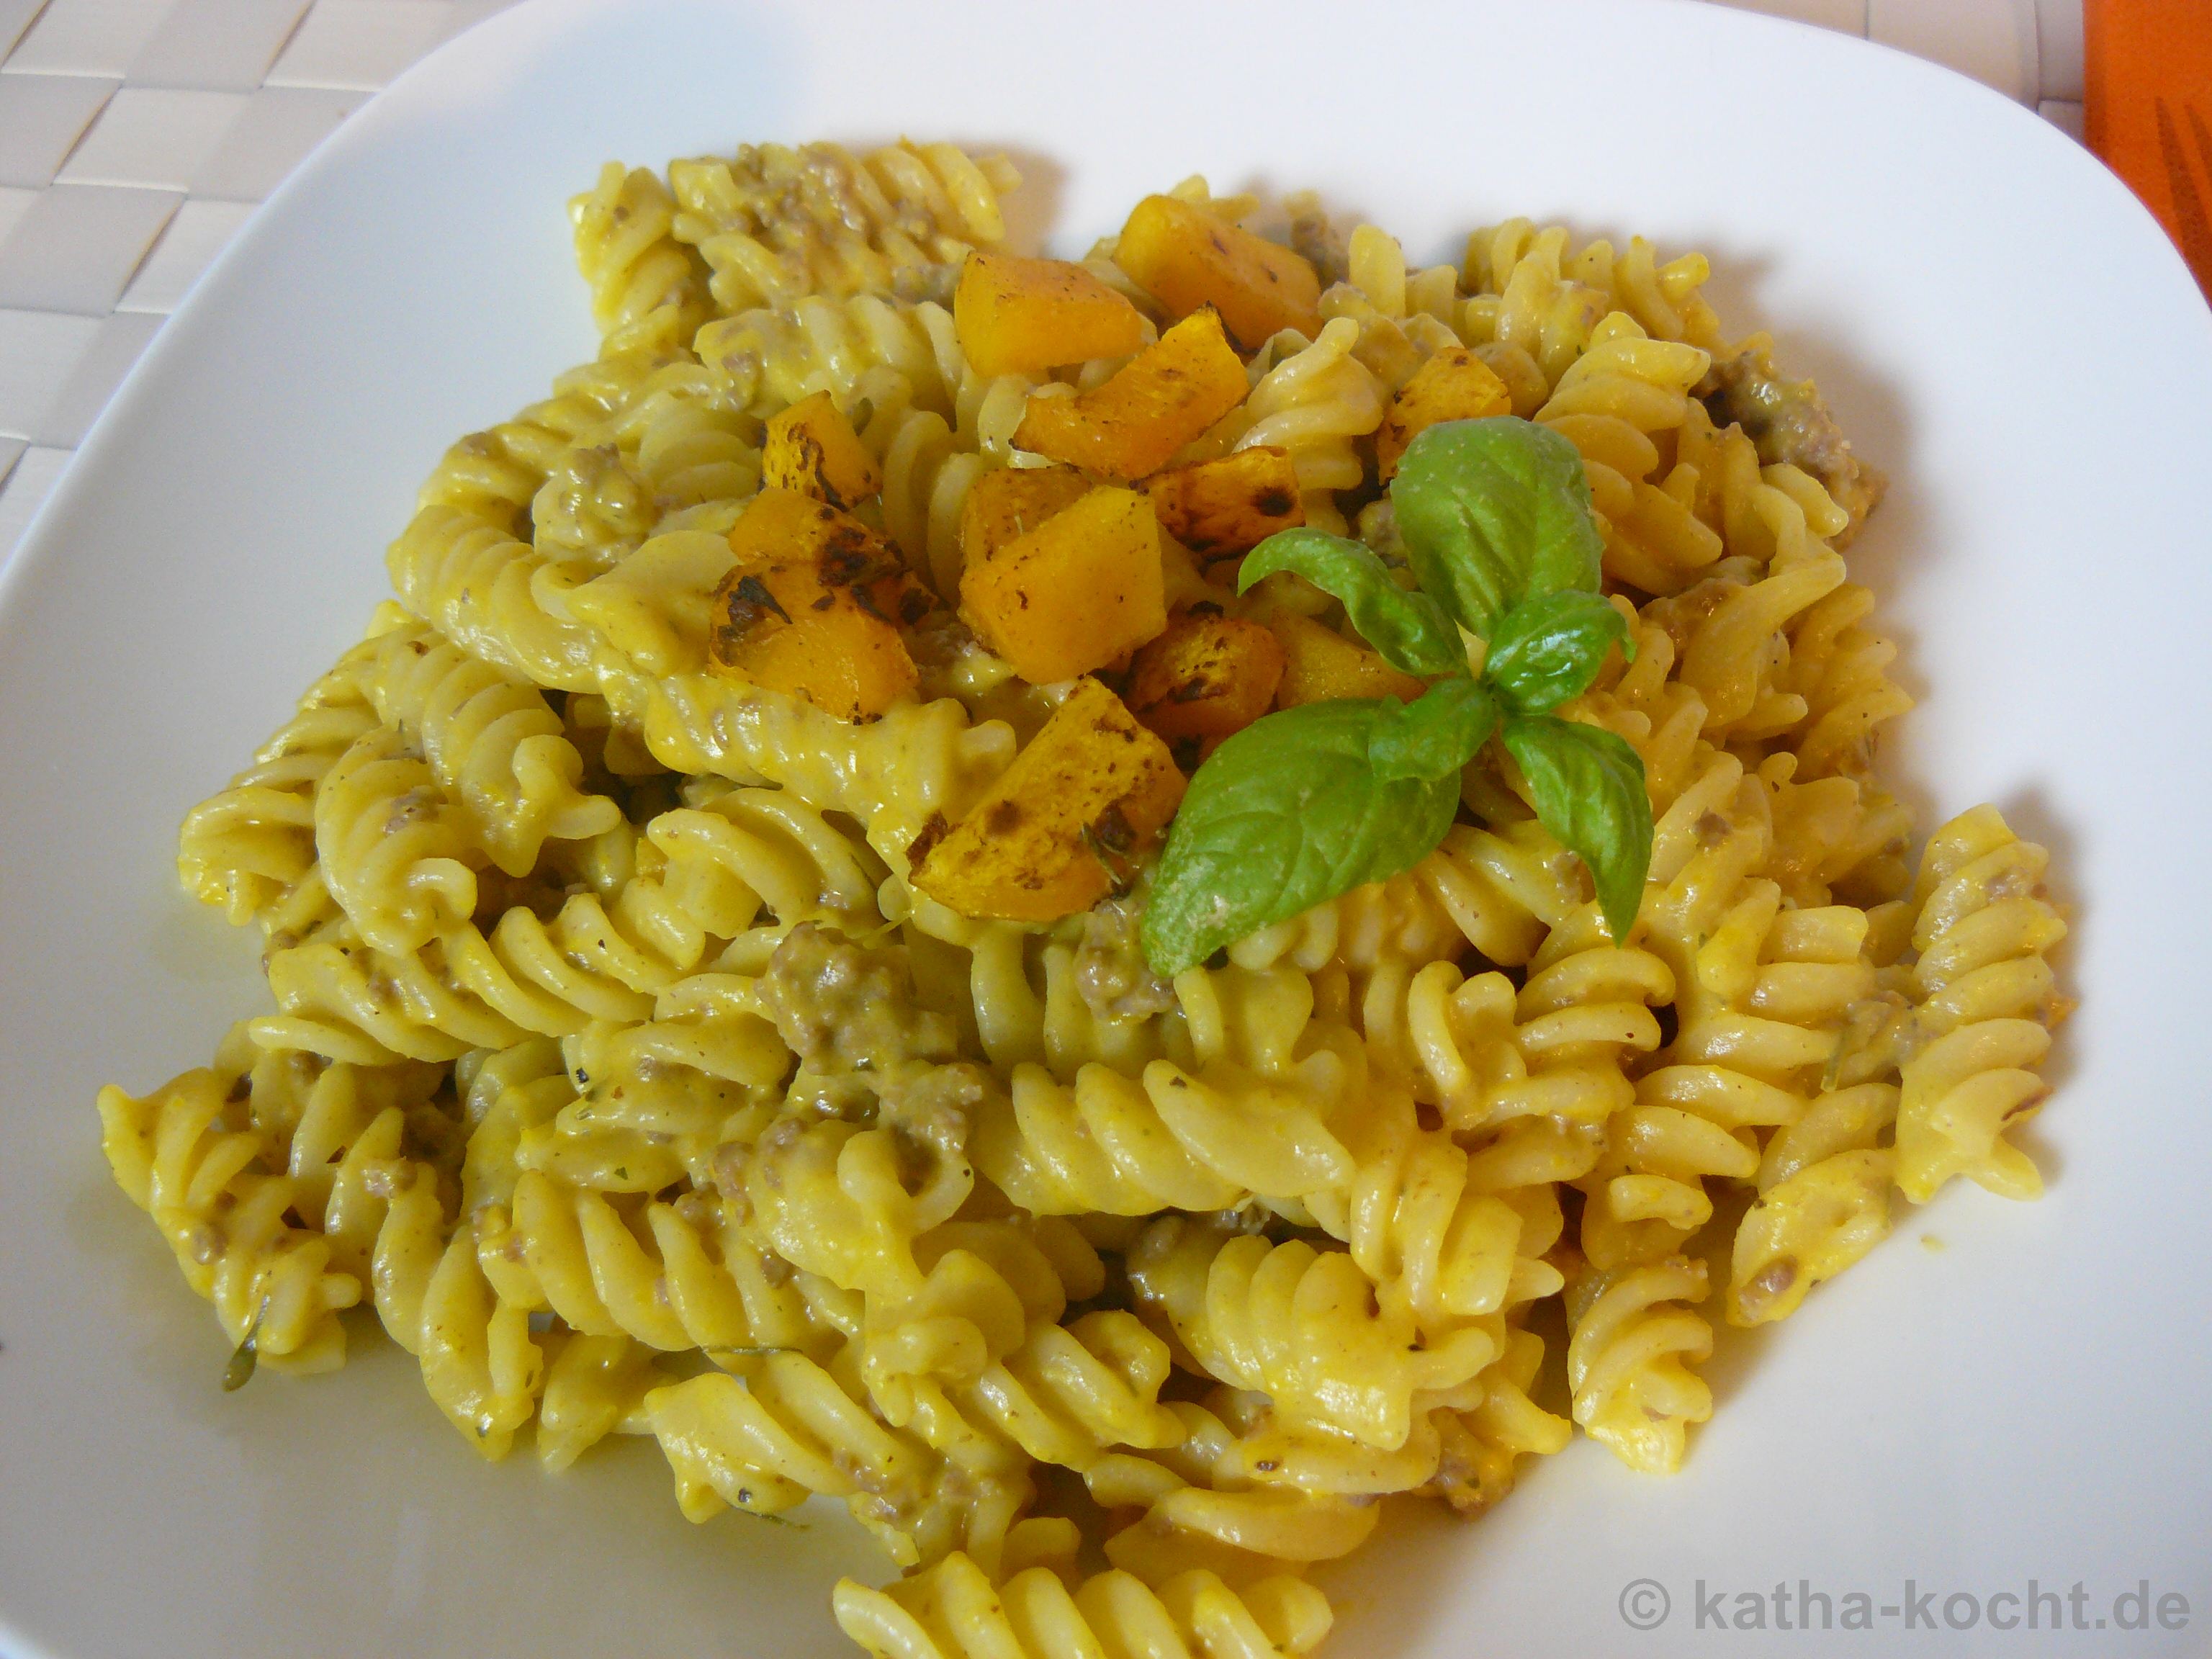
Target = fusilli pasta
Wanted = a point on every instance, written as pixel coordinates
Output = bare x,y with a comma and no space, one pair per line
627,1057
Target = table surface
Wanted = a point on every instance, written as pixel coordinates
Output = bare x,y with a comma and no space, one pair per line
137,136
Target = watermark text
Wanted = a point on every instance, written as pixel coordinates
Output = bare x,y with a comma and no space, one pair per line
1647,1604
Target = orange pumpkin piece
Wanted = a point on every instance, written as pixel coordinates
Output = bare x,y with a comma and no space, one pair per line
807,610
811,448
1207,677
1017,316
1185,258
1454,384
1074,593
1063,826
1010,502
1320,666
1159,400
1229,506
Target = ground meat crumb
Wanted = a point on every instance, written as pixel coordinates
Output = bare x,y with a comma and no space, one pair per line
1110,970
844,1007
1790,425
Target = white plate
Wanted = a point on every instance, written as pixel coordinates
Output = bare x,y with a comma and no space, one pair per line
1997,323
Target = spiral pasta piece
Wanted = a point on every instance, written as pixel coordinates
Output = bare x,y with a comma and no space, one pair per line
374,1218
490,741
954,1612
479,1363
1401,919
491,476
849,1201
1823,1203
971,1358
648,290
783,1429
1436,1245
252,847
1663,298
179,1155
1617,402
1732,639
1302,1326
594,960
1764,1020
1114,1145
1403,320
477,586
929,462
673,1276
697,452
391,849
595,1386
1316,401
1628,1359
765,358
1483,1052
1072,1390
1987,1007
1840,667
1479,1450
593,510
1528,306
775,222
1239,1495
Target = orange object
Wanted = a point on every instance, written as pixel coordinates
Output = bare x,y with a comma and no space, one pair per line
2148,66
1064,825
1074,593
1023,316
1231,504
1454,384
1207,677
1155,403
1185,258
808,609
811,448
1008,503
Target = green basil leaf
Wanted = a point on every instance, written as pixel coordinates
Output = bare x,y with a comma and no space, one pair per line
1436,734
1411,632
1549,649
1284,814
1589,792
1493,512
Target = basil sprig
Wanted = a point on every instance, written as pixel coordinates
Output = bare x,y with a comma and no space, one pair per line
1492,512
1312,801
1288,812
1548,649
1410,630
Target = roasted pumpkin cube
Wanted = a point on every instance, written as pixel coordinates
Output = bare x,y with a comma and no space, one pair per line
1185,258
1063,826
1017,316
1320,666
1207,677
812,448
807,610
1010,502
1074,593
1229,506
782,526
1454,384
1156,403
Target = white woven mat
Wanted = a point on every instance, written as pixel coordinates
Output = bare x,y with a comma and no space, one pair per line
137,135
